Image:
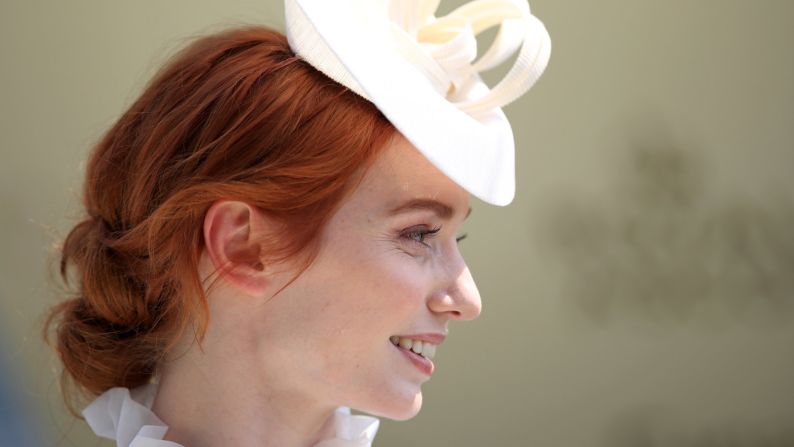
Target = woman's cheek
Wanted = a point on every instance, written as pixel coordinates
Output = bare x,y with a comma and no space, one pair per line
405,276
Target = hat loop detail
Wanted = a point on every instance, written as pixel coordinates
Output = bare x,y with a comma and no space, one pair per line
444,48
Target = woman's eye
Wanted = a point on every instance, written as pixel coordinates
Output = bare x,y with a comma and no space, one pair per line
419,235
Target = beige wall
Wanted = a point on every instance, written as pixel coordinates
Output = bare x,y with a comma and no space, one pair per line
639,292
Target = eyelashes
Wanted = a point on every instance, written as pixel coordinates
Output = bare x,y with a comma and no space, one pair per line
418,235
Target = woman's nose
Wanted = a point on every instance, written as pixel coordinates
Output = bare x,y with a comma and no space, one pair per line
461,299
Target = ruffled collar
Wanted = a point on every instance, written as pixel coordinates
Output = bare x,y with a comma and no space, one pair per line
125,416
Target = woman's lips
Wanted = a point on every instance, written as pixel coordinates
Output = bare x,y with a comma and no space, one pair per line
424,365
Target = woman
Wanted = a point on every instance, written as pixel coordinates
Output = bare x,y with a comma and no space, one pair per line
271,229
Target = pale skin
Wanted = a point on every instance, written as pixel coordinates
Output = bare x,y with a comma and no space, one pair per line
272,371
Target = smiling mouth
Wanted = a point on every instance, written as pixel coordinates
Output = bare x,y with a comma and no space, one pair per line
423,348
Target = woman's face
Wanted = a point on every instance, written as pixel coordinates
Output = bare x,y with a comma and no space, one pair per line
389,266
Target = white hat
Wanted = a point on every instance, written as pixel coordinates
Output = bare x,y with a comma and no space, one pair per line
419,70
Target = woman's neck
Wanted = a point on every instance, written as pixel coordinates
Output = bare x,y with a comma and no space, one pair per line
210,398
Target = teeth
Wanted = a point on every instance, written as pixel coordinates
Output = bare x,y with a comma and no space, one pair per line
422,348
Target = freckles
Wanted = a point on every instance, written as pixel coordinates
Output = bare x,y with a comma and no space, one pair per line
406,270
406,287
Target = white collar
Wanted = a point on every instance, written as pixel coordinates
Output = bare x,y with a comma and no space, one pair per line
125,416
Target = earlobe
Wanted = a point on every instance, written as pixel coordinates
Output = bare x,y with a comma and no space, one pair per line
232,231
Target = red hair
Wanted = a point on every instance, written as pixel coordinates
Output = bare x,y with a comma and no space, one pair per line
235,115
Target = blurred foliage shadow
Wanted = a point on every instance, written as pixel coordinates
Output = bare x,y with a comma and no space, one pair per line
663,249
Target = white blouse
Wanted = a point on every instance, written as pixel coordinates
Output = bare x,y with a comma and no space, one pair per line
125,416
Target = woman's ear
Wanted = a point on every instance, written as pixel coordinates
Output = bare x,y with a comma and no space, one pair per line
232,234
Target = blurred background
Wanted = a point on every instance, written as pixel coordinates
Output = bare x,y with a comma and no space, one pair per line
639,292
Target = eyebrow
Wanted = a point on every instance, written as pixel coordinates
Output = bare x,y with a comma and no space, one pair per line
443,210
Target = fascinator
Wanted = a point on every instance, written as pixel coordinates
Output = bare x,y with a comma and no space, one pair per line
422,72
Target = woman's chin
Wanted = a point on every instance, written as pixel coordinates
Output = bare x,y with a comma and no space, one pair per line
398,410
